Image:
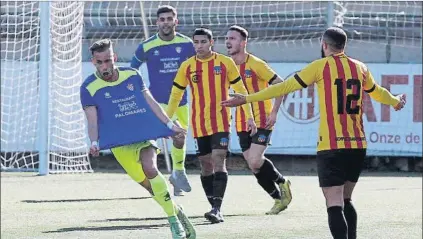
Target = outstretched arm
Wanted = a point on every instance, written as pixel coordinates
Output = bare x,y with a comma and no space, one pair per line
302,79
276,90
381,94
155,107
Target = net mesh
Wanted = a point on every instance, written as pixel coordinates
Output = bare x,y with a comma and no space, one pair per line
20,57
68,139
19,84
378,31
279,31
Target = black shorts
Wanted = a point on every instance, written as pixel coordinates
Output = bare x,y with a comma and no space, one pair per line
335,167
262,137
215,141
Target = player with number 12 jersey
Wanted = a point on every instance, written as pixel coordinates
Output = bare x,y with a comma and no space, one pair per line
341,147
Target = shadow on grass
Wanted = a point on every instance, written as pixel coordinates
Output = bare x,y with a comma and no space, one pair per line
83,200
137,227
165,218
110,228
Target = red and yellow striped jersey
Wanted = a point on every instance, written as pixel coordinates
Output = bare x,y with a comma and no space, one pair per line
340,84
256,75
209,81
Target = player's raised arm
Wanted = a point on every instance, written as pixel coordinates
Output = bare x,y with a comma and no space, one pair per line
381,94
302,79
138,57
179,85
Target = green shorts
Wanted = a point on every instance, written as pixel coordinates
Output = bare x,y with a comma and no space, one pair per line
128,157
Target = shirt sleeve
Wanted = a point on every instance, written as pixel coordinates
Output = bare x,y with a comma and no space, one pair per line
139,57
142,84
86,98
265,73
179,85
309,74
232,71
377,92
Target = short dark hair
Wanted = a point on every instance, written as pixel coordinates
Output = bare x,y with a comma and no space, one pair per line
101,45
240,30
336,37
203,32
165,9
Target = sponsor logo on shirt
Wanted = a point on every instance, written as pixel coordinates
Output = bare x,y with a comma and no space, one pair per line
170,65
127,106
194,78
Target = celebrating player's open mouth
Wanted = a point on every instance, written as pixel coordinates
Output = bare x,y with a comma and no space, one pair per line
229,47
107,74
231,51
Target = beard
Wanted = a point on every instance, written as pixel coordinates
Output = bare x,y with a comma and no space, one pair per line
107,73
167,30
322,52
233,52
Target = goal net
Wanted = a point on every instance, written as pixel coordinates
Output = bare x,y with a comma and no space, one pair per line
21,127
280,32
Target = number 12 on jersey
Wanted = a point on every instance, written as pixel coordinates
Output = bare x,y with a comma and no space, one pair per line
348,103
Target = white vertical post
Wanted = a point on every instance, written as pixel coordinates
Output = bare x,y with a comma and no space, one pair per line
43,70
144,21
147,35
330,13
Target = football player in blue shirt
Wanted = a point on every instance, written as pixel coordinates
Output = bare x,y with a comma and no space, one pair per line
124,117
163,53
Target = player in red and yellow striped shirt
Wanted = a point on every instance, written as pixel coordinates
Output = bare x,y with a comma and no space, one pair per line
341,82
209,75
257,75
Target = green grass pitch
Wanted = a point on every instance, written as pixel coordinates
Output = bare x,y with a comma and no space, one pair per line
110,205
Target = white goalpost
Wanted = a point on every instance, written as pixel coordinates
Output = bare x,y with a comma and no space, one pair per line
163,140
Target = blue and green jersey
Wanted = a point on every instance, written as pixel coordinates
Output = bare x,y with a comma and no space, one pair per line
124,116
163,59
